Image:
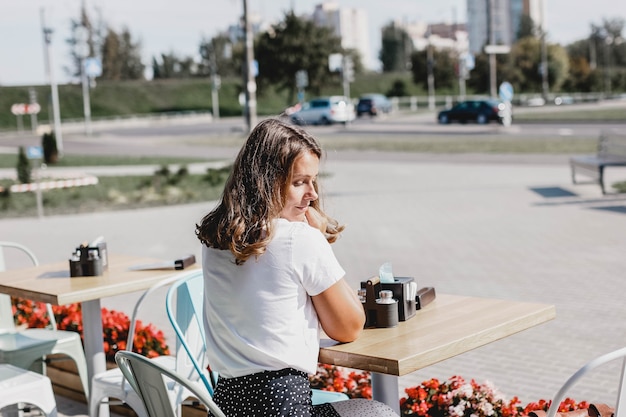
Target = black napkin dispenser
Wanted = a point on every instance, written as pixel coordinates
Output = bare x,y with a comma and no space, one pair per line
401,289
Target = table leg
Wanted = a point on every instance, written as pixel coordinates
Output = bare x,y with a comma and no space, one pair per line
385,390
94,348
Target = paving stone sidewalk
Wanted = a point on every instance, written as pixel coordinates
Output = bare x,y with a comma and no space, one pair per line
515,230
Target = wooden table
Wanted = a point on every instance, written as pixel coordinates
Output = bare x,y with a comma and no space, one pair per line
448,326
51,283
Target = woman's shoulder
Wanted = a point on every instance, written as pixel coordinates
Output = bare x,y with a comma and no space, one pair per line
298,229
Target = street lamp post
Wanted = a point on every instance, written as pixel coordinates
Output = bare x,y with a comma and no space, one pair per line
47,37
83,52
430,76
250,83
544,65
215,82
609,41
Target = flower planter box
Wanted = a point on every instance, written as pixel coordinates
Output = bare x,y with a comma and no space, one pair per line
66,383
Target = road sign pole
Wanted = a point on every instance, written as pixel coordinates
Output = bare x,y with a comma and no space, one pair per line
20,124
86,99
47,37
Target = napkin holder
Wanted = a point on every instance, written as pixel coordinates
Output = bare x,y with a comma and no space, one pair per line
89,260
401,288
402,292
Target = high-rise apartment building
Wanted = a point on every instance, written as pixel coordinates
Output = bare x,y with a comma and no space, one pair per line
347,23
497,22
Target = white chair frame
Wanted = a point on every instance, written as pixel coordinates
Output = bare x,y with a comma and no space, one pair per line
19,387
30,348
148,380
601,360
111,383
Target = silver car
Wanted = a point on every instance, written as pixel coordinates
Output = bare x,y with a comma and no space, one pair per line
325,111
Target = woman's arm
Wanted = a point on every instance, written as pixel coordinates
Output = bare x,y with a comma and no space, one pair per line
340,312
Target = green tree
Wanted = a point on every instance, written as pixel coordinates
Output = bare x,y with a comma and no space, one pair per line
396,49
171,66
226,57
525,60
50,149
85,40
398,89
527,28
23,167
581,77
479,77
292,45
443,68
121,57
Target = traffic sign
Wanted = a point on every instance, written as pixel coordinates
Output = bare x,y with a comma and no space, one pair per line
302,79
497,49
34,152
20,109
469,61
93,67
506,91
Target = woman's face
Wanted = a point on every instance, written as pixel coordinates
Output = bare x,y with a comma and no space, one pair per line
300,190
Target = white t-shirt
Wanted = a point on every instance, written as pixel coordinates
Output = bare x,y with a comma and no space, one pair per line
259,316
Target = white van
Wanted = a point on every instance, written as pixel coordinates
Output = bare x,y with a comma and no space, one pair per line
325,111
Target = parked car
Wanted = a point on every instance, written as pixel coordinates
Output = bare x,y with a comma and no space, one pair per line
479,111
324,111
373,105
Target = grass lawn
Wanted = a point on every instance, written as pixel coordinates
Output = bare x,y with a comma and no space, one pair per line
118,193
10,160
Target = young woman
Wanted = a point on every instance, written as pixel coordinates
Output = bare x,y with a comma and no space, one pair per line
272,281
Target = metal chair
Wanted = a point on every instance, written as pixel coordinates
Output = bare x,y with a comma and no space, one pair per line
148,379
19,386
29,348
184,306
112,383
620,408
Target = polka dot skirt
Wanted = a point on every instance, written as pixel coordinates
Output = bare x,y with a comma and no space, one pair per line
284,393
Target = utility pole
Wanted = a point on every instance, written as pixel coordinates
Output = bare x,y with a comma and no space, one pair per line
347,72
492,56
544,65
215,82
430,77
82,35
47,37
249,81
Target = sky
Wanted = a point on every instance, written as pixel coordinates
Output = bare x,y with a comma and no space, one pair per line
166,26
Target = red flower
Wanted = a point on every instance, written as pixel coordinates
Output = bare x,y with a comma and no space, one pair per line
148,341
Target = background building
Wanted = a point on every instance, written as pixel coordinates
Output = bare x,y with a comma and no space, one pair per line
497,21
349,24
451,36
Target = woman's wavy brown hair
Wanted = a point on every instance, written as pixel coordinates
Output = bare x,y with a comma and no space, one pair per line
254,192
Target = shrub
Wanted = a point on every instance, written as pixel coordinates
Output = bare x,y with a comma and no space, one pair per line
23,167
50,150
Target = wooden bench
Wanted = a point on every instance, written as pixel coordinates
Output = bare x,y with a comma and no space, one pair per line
611,152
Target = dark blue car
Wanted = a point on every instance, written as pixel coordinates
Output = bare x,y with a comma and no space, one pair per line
479,111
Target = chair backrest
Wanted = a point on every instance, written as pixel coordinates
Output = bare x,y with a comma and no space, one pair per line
183,303
6,312
620,407
146,377
187,320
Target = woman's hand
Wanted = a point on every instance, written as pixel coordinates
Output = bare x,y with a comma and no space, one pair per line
316,220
